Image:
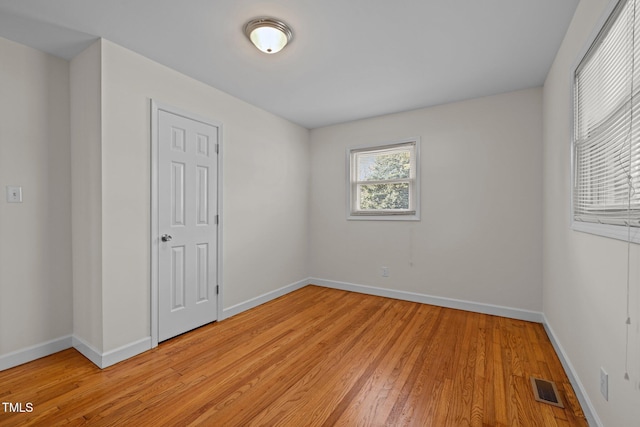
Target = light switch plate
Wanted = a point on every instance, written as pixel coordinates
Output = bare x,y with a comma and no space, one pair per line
14,194
604,384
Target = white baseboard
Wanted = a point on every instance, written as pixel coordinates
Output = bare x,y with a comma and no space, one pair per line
261,299
34,352
126,351
87,351
477,307
103,360
514,313
587,407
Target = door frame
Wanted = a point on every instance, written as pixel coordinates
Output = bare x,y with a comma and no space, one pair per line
156,107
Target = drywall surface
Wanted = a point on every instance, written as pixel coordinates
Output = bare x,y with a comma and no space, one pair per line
479,238
264,196
585,276
86,201
35,235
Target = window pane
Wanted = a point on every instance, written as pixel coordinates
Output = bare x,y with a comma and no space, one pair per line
384,165
383,181
603,79
607,154
384,196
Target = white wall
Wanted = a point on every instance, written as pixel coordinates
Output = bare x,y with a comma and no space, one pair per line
495,207
480,234
86,200
75,257
484,172
35,236
584,276
98,150
265,183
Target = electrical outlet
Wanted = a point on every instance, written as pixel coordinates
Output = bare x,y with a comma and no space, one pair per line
384,271
604,384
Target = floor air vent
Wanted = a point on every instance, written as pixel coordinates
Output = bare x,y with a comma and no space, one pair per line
546,391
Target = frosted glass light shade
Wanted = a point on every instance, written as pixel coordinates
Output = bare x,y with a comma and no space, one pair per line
267,34
268,40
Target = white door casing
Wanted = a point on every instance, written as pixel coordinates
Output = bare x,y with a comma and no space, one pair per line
185,234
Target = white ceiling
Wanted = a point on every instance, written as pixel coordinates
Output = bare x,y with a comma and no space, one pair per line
349,59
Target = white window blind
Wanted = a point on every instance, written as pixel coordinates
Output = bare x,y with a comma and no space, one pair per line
606,181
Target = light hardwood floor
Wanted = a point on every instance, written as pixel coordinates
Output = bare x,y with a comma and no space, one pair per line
315,357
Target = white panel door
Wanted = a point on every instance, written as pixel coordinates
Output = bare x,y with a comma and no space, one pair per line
187,224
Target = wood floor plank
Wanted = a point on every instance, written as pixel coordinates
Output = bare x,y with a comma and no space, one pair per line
403,407
315,357
501,376
340,389
331,375
375,399
478,399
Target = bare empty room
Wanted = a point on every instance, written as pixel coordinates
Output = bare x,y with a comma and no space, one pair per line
319,213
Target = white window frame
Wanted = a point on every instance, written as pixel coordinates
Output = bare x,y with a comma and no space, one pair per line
620,232
413,214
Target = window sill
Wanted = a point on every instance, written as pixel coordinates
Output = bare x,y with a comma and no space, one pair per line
414,217
618,232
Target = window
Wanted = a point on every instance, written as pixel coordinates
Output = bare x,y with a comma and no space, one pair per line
383,181
606,145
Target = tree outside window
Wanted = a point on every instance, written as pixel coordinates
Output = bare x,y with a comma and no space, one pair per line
383,180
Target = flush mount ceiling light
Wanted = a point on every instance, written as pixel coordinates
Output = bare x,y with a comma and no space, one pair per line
268,34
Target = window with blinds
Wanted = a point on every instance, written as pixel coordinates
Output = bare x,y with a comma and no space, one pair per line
383,181
606,149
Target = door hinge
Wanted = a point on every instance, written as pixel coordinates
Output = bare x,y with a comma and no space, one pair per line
217,219
217,148
217,289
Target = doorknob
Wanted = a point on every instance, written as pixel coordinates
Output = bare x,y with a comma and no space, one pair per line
166,237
